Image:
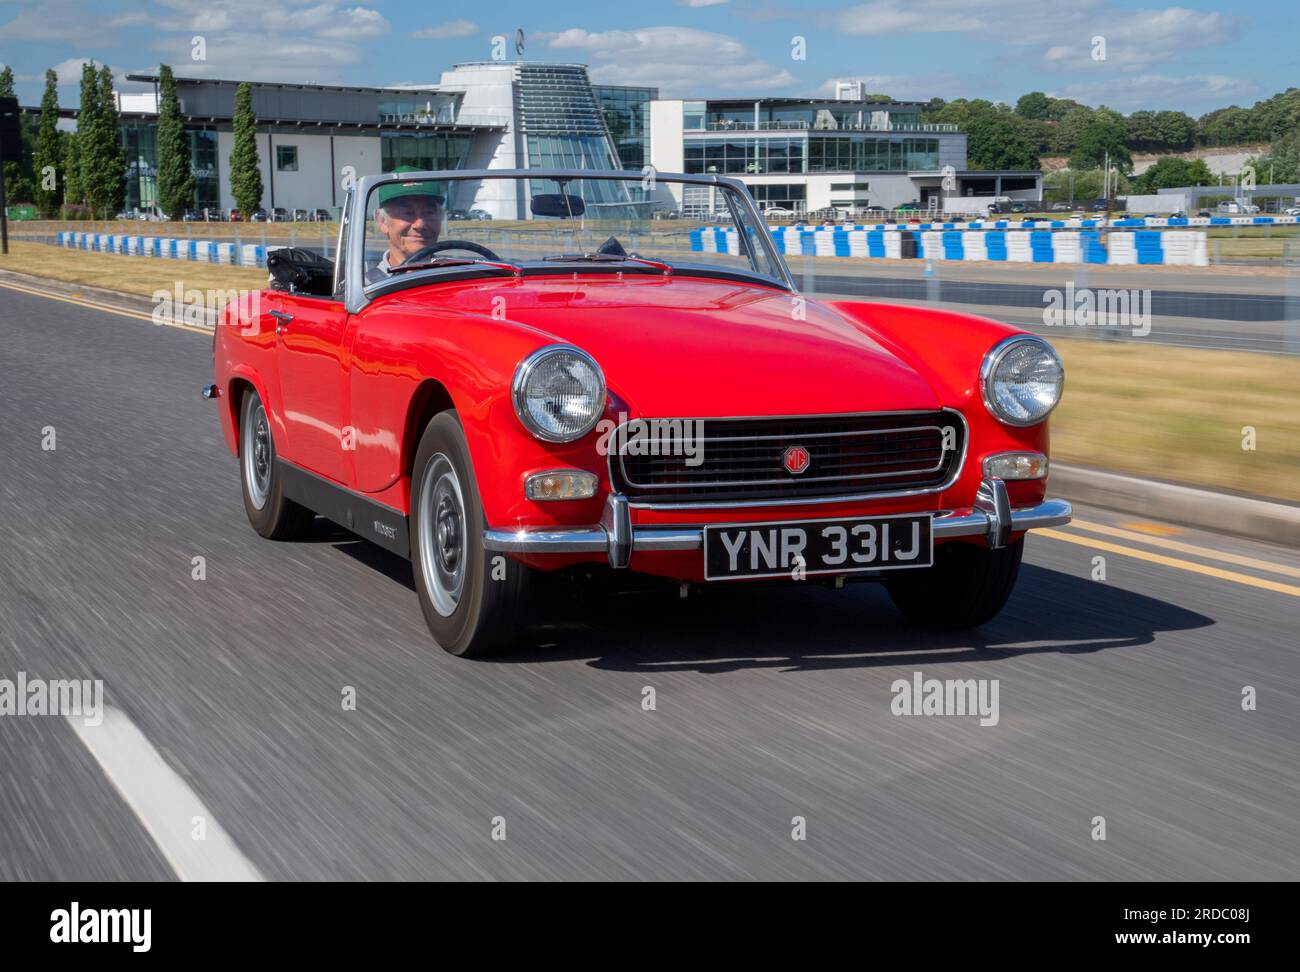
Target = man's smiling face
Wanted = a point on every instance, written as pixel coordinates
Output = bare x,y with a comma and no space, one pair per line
411,223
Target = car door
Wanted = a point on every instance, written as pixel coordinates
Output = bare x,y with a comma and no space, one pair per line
310,336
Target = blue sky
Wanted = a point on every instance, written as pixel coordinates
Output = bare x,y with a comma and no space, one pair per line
1195,56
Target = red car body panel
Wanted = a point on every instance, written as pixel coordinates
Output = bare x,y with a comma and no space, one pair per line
345,394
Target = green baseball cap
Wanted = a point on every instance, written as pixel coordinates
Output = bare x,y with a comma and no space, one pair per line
395,190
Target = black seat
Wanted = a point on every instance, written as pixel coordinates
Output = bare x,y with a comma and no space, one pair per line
301,271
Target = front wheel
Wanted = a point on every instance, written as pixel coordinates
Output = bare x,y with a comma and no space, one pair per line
474,601
272,514
966,586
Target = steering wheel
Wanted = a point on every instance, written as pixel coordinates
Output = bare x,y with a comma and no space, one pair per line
438,247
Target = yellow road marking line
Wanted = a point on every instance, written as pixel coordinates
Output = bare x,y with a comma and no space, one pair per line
1188,548
1228,575
1155,529
107,308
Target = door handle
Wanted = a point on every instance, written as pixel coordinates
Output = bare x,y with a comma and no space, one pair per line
282,320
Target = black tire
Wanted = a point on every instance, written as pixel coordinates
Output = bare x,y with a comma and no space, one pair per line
966,587
474,601
274,517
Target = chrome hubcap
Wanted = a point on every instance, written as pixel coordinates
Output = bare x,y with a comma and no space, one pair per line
442,535
258,455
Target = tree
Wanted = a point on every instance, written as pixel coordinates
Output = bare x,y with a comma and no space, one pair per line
102,165
17,173
1282,161
994,141
1141,131
175,176
1102,137
245,172
1172,172
87,112
74,191
49,151
109,183
1035,105
1175,129
1071,128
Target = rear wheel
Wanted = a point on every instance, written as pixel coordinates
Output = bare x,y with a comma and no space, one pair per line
271,513
474,601
967,586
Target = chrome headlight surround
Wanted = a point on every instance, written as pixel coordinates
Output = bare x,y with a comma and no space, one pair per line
989,378
528,369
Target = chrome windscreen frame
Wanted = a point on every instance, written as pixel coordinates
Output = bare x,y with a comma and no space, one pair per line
354,281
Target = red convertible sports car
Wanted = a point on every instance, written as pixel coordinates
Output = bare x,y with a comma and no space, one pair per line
578,382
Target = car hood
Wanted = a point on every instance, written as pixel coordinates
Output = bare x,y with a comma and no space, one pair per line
689,346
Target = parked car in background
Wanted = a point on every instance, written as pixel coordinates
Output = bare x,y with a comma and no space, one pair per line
858,440
322,216
777,212
236,216
479,214
456,215
259,216
191,216
301,215
1060,207
280,215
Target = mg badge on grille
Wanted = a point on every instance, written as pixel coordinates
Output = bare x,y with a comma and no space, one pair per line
796,459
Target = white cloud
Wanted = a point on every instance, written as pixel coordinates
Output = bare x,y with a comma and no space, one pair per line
1135,39
359,23
452,28
1159,91
680,61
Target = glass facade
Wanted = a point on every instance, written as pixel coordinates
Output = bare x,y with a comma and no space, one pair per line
564,128
792,196
140,146
723,116
810,153
424,150
627,116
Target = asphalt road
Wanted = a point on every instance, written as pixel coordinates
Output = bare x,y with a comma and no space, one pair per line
1267,320
1118,698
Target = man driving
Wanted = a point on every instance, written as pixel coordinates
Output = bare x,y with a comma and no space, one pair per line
409,215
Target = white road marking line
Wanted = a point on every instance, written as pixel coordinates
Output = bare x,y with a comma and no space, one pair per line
163,802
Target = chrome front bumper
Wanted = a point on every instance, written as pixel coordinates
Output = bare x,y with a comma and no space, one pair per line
991,517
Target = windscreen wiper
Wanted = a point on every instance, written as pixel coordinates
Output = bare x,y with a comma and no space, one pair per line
609,258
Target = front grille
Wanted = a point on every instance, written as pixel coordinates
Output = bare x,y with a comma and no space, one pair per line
742,459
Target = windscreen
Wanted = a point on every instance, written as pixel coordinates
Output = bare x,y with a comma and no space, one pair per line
424,225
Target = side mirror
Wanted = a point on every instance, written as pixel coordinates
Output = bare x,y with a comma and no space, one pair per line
555,204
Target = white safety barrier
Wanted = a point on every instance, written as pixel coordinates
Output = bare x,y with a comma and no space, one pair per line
1121,249
1018,248
974,245
1066,248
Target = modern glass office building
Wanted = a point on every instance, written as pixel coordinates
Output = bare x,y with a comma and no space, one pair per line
627,116
850,152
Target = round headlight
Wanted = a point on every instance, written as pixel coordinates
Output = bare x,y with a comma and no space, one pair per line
1021,380
559,393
